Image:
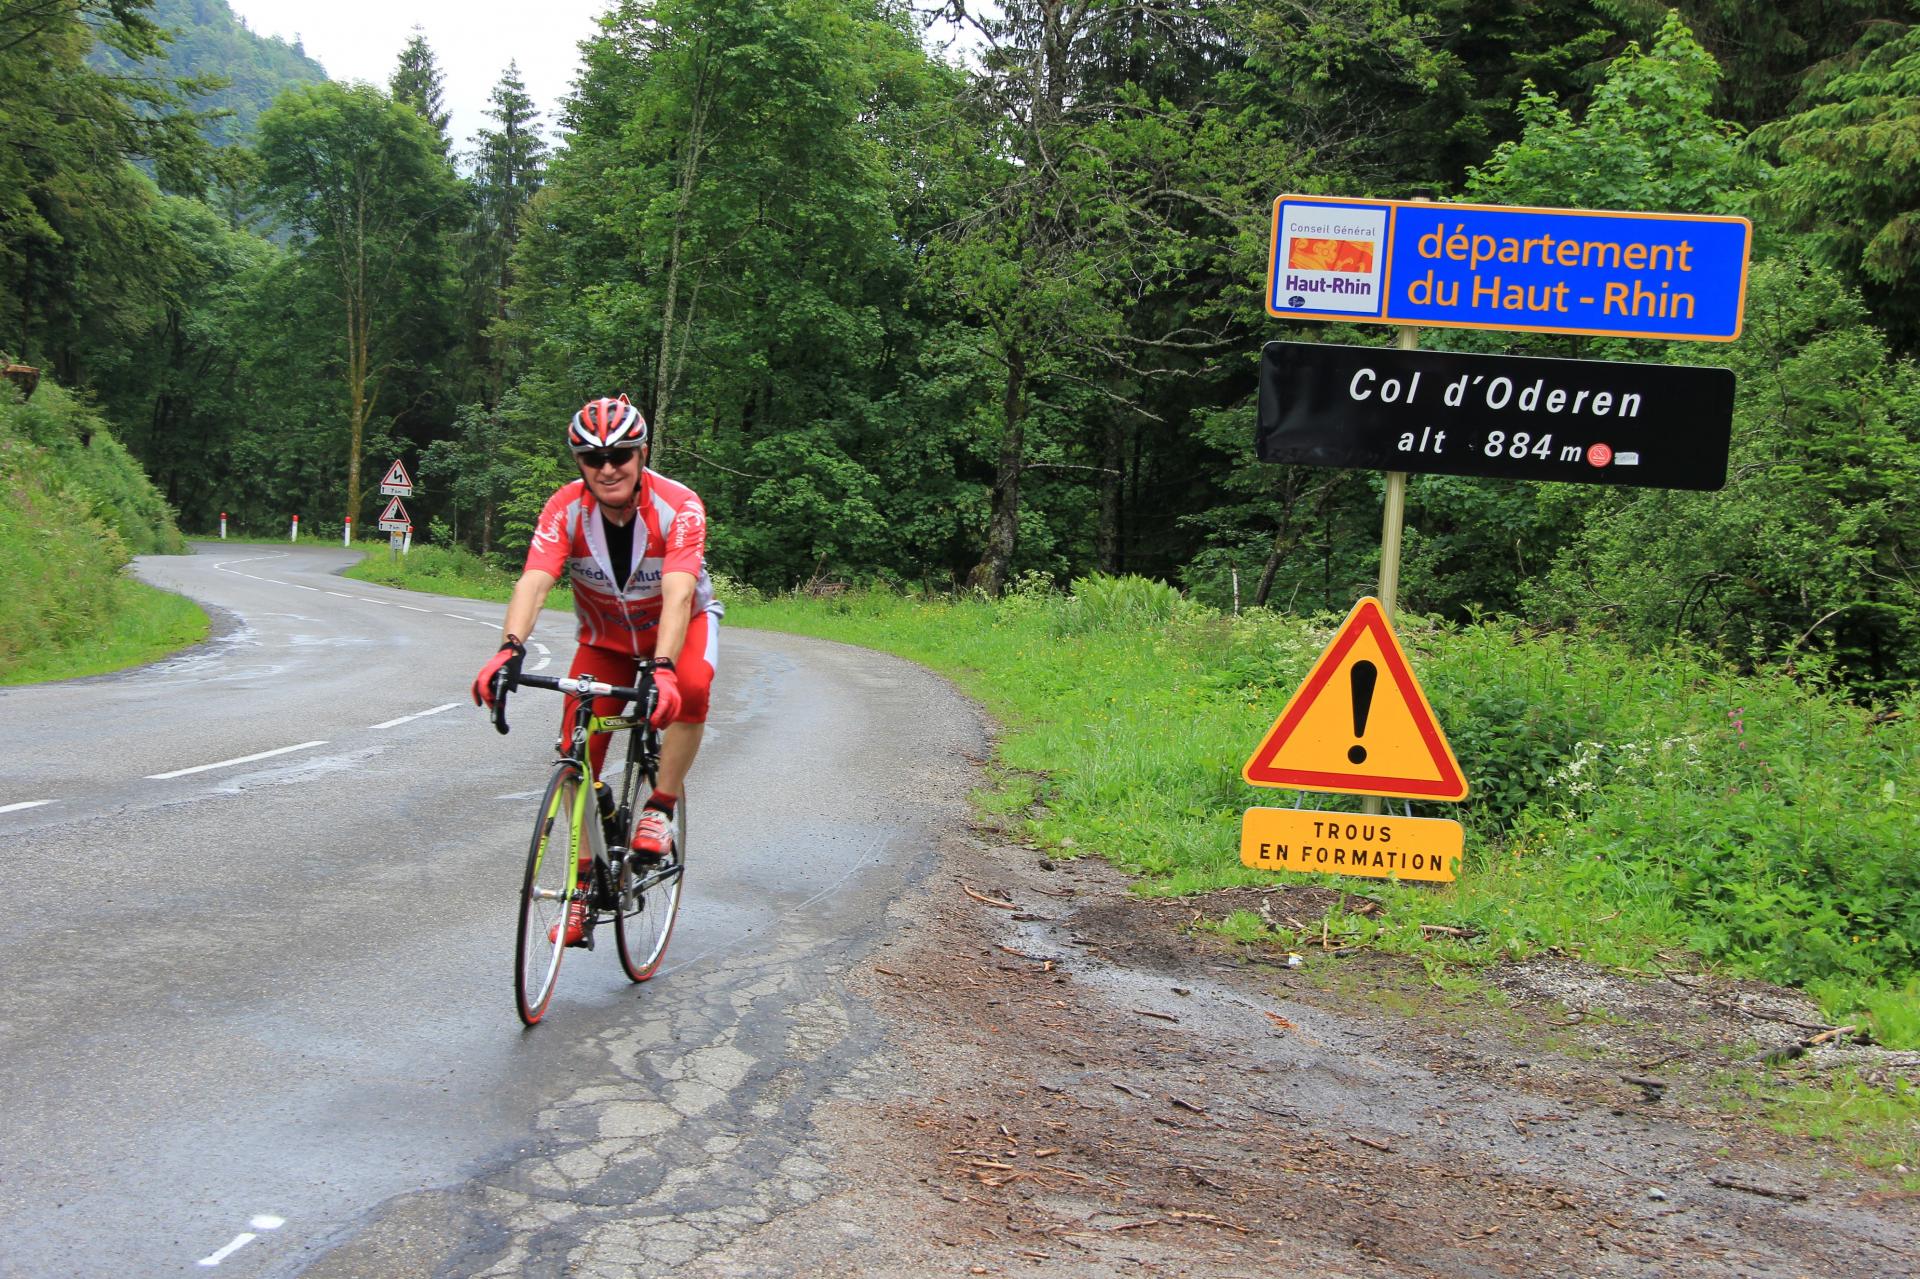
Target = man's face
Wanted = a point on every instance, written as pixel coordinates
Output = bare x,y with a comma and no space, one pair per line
612,474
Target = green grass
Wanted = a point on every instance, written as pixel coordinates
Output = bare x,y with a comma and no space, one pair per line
74,509
143,624
1877,1123
445,571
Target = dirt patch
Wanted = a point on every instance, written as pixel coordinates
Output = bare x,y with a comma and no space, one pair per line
1104,1088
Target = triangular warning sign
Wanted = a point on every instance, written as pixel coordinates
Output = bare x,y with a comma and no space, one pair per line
1359,724
395,513
396,477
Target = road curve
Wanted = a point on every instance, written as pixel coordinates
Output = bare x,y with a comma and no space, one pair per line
259,1018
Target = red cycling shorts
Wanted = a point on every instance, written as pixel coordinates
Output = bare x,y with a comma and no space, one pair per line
694,667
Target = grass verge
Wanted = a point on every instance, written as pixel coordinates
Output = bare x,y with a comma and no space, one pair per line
142,624
445,571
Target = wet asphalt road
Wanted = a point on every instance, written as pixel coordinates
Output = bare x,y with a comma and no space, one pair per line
259,1012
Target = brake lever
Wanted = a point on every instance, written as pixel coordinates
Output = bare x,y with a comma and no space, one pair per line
502,685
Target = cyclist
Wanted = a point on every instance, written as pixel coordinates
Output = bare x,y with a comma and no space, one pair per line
633,544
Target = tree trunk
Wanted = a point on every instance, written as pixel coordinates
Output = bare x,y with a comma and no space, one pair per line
1261,591
1003,528
666,371
356,404
1112,459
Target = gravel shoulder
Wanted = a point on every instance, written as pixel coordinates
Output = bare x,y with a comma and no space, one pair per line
1089,1085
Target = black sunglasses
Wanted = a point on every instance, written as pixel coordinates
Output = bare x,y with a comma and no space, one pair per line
614,457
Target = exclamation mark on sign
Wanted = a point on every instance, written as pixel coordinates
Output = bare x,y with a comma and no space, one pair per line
1363,675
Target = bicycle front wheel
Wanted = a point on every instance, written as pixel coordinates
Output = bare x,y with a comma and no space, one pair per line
545,894
648,901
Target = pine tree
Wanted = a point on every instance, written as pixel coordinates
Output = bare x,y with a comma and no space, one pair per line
417,82
509,165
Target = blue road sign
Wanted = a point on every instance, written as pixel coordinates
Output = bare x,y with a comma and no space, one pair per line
1478,266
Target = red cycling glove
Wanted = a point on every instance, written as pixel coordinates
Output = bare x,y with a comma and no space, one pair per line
508,659
666,705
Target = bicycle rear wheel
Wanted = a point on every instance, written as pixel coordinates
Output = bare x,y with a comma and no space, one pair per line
647,903
544,895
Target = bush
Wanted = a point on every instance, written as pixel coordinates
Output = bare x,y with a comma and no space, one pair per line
74,508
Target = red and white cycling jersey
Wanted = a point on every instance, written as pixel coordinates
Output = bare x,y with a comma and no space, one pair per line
570,541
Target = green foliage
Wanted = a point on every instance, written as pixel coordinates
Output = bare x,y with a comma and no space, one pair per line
74,507
239,72
1810,548
1122,605
417,83
80,250
1850,170
364,186
1647,140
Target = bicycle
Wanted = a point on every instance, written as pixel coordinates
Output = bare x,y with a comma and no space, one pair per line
640,895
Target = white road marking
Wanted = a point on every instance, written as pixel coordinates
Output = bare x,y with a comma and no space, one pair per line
240,1241
228,763
265,1221
394,723
458,617
546,656
342,594
413,609
296,586
30,803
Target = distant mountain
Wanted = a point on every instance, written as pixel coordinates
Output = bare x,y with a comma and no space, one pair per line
209,40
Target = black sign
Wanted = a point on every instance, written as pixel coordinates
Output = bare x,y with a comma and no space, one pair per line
1504,416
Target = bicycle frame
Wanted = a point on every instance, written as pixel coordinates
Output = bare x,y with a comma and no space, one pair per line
584,821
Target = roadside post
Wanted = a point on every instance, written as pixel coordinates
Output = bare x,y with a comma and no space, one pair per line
294,534
223,526
346,534
1415,264
406,547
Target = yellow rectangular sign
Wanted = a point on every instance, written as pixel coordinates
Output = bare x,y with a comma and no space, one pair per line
1350,843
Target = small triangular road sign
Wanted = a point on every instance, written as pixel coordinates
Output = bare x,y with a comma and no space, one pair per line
395,516
396,481
1359,724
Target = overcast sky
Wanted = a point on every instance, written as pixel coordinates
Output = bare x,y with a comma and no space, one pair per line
472,39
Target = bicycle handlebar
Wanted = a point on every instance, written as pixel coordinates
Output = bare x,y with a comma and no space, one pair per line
577,686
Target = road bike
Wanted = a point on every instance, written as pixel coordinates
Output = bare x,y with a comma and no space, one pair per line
640,894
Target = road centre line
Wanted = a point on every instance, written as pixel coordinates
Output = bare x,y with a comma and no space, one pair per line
342,594
24,804
413,608
394,723
228,763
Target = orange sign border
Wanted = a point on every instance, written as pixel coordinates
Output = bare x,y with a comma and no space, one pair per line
1368,614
